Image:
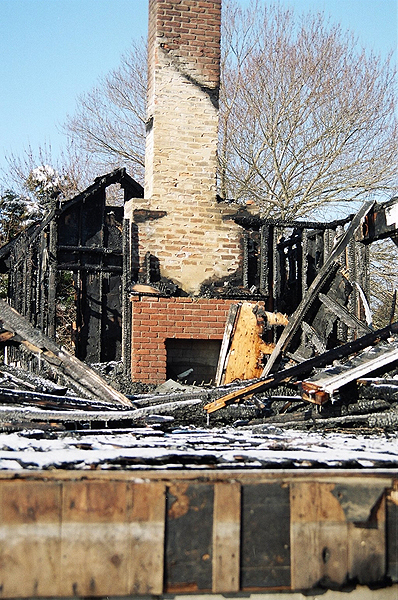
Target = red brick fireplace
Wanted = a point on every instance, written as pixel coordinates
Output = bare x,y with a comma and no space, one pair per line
165,332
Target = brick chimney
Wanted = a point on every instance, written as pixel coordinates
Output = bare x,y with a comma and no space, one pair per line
184,228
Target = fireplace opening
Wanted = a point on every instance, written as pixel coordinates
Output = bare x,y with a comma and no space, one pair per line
192,361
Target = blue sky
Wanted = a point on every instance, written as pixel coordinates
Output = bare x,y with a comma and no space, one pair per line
54,50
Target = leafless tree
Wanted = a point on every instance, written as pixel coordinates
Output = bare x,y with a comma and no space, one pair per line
109,124
307,118
72,173
384,282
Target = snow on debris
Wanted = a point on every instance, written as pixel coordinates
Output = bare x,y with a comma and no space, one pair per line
196,448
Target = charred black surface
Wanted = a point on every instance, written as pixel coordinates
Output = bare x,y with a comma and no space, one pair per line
265,536
82,238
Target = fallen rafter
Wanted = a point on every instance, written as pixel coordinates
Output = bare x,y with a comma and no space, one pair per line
17,329
304,368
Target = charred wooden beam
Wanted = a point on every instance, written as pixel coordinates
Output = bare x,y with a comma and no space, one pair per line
52,280
90,250
264,260
342,313
381,222
78,267
249,221
317,342
51,401
315,287
126,305
306,367
323,386
41,345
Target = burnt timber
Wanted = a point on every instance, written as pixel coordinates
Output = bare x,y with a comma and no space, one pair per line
86,238
347,519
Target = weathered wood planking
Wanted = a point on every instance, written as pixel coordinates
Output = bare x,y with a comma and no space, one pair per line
342,526
226,537
189,524
30,538
265,547
117,533
81,538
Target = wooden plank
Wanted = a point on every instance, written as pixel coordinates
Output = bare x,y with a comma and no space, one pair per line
147,523
189,537
225,344
342,527
95,538
342,313
226,537
30,548
392,533
265,551
368,361
319,532
244,359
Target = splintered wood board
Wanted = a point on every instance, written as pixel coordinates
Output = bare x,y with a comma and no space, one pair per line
244,358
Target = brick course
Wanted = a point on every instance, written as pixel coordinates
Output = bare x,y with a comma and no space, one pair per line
180,318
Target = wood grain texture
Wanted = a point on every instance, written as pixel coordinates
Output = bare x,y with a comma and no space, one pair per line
318,536
95,538
30,541
245,356
226,537
147,540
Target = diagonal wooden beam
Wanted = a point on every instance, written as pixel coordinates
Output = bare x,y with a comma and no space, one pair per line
322,360
331,262
342,313
60,360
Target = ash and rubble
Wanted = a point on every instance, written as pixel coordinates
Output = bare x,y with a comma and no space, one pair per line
44,425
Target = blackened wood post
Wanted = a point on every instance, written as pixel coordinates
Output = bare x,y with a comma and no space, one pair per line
352,275
29,299
42,270
264,262
52,279
126,308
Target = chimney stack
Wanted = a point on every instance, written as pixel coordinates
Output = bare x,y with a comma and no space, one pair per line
184,229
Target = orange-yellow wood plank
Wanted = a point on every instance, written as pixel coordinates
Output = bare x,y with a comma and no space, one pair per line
318,535
30,549
244,359
147,522
226,537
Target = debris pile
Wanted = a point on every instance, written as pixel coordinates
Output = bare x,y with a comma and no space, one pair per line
305,379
